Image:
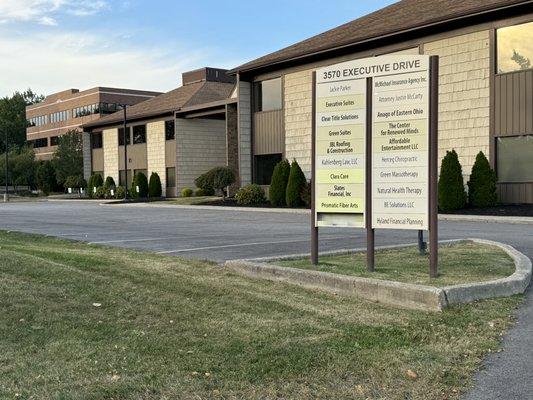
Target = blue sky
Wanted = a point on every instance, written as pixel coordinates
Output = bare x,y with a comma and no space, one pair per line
52,45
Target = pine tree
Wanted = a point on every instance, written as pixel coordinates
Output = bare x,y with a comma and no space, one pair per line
278,185
482,183
295,185
452,195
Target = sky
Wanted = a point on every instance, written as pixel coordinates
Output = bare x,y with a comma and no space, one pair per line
54,45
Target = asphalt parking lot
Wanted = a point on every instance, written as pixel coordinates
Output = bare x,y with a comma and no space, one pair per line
220,235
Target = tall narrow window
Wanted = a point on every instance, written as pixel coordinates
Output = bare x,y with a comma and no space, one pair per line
515,48
171,177
121,136
97,140
267,95
139,134
169,130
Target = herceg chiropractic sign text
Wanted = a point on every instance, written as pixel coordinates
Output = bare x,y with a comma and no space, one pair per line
400,142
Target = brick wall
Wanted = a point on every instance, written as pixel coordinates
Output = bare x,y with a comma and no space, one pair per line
155,151
298,118
110,146
464,95
200,146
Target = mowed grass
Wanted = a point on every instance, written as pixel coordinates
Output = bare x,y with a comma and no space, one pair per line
88,322
193,200
458,263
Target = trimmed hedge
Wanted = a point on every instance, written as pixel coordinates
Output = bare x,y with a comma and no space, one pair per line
452,195
278,185
139,181
154,186
250,194
186,192
295,186
482,183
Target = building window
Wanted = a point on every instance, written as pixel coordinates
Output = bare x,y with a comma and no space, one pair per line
267,95
264,167
59,116
515,48
170,133
54,140
38,121
97,140
515,159
121,136
171,177
139,134
39,143
121,178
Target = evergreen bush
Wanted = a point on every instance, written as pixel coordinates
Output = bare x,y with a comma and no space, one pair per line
306,194
186,192
95,181
141,182
278,185
452,195
109,183
154,187
100,193
250,195
295,185
120,193
482,183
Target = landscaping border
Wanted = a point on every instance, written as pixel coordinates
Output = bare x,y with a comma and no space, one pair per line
418,297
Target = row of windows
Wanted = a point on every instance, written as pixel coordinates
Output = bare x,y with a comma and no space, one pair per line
38,121
59,116
170,176
99,108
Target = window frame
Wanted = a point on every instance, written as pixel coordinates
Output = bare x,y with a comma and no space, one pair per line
168,122
257,95
495,65
143,134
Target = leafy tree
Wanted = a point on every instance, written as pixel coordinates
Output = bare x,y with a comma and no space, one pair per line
45,177
278,186
23,167
222,178
154,186
13,117
452,195
523,62
295,185
482,183
68,157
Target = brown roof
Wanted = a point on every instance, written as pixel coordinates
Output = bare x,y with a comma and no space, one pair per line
167,103
394,19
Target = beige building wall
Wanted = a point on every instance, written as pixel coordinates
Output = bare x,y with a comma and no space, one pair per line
464,95
200,146
245,132
110,146
298,118
155,151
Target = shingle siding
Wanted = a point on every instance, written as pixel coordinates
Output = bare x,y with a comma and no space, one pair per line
155,151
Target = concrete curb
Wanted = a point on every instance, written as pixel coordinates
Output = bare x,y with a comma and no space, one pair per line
411,296
442,217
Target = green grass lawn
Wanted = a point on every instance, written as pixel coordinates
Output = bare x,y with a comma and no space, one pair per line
190,201
458,263
87,322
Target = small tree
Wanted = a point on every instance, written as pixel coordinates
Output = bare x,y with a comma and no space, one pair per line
68,157
295,185
205,182
222,178
452,195
109,183
482,183
278,185
45,177
139,181
154,186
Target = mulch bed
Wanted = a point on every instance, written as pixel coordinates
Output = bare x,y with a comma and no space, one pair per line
525,210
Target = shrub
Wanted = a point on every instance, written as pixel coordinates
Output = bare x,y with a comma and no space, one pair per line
120,193
95,181
46,177
75,182
482,183
205,182
186,192
278,185
141,182
250,195
100,193
452,195
306,193
154,187
109,182
199,193
222,178
295,185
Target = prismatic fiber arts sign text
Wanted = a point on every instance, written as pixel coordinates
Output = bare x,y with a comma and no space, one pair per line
398,131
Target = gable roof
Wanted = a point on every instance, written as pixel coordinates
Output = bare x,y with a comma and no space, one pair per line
405,15
167,103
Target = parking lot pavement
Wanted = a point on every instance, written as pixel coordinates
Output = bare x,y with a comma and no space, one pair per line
220,235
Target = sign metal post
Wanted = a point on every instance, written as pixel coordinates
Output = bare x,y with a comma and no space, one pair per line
370,246
314,227
433,166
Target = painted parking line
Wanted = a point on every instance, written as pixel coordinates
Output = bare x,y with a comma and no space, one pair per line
242,245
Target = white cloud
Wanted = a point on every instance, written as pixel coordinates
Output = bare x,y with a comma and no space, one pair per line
45,12
50,62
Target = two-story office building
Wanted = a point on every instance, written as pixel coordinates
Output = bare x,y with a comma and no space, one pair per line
179,135
69,109
485,94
